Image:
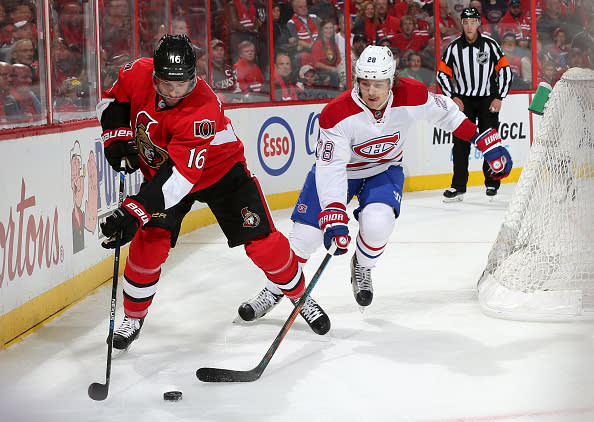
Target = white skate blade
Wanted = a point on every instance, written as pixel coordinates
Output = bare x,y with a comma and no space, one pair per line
239,320
119,353
457,198
362,308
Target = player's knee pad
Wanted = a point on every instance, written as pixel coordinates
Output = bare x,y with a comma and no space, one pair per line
376,223
305,240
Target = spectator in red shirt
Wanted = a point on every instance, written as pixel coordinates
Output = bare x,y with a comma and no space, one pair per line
366,22
72,24
387,26
25,30
423,22
23,51
398,8
245,21
494,10
547,73
575,58
303,30
284,89
22,82
66,63
407,40
557,53
516,21
325,55
449,22
485,25
510,49
249,75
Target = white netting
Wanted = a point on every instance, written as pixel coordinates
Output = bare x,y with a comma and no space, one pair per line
541,266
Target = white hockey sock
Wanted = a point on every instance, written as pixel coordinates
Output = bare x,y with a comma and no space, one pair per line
376,223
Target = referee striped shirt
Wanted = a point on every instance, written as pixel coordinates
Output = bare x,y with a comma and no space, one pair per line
479,69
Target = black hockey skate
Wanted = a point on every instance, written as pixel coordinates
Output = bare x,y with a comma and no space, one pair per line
361,281
314,315
259,305
491,191
452,195
127,333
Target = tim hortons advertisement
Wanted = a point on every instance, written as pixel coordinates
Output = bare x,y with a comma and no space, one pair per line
55,191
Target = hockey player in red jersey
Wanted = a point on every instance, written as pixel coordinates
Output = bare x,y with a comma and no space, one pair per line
164,119
360,152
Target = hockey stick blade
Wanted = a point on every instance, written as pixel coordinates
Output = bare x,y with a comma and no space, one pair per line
230,375
98,391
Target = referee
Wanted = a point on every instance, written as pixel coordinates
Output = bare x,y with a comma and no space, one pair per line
475,73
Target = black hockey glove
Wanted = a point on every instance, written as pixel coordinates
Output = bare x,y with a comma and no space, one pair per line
125,220
119,143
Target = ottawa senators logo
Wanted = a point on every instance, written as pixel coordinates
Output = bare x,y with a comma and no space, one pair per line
152,155
377,148
205,129
250,219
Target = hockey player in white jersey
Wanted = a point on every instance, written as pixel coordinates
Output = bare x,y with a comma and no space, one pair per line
359,153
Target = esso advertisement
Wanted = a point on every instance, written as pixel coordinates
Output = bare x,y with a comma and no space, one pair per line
276,146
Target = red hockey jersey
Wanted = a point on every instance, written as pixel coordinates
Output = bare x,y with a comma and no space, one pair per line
195,134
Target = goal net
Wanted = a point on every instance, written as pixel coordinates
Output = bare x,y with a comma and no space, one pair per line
541,266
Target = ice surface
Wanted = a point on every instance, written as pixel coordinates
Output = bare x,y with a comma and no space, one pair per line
422,352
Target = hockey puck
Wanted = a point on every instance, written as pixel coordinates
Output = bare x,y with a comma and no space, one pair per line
172,396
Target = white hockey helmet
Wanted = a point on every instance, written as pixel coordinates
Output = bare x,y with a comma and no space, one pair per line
376,62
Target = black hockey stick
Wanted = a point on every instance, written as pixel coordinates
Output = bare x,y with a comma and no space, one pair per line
230,375
98,391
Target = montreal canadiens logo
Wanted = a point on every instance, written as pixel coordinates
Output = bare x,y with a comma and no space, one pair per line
377,148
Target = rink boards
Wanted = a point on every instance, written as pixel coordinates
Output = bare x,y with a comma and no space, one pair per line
57,188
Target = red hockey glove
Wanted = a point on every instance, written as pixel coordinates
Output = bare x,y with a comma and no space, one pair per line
497,156
125,220
119,143
333,222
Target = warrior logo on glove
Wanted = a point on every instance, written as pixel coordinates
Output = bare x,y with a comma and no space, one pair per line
496,155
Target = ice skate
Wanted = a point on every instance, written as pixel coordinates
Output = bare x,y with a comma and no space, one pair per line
452,195
127,333
314,315
491,191
259,305
361,282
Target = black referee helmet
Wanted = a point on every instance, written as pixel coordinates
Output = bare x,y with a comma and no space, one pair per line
470,13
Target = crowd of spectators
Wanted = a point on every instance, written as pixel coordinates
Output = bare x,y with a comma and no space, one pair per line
311,34
309,44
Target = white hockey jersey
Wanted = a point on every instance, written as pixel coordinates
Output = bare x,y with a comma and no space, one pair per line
354,145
